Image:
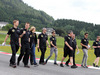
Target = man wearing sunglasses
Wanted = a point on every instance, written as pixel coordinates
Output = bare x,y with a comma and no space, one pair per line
85,46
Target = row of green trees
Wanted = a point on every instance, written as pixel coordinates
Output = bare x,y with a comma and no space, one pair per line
62,26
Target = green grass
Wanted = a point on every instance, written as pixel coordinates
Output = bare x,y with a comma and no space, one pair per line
2,38
60,45
3,32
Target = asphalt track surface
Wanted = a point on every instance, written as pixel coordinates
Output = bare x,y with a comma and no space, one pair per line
48,69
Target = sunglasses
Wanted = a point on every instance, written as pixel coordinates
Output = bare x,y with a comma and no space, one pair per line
86,35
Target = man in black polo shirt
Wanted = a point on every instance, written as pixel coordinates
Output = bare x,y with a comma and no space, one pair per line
74,45
68,50
25,46
14,33
42,40
96,46
53,48
85,47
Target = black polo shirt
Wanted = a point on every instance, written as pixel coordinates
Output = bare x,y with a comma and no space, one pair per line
25,38
84,41
74,43
68,39
14,35
43,38
96,43
53,39
33,38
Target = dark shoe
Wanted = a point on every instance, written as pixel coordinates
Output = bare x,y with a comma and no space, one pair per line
55,64
82,66
26,66
97,66
85,67
61,65
36,65
76,66
44,63
12,65
32,63
73,66
66,64
93,64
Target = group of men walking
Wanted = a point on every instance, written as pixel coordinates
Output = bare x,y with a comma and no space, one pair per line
27,40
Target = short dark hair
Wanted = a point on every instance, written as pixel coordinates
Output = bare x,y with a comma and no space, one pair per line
53,31
70,31
27,23
85,33
15,21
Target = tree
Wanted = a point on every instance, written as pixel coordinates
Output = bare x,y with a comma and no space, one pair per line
7,27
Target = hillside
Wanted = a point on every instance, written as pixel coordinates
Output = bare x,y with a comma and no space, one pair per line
63,25
17,9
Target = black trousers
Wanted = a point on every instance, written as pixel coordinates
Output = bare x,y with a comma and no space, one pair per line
31,56
25,50
73,59
14,48
43,50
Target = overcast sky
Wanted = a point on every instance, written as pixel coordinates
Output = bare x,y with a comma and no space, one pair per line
83,10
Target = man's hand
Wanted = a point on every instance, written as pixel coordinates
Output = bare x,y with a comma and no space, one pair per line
38,47
4,43
71,48
24,32
55,46
86,47
20,45
98,46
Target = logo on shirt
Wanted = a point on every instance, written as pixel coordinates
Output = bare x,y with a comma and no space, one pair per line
84,40
53,39
68,37
30,35
13,30
96,43
41,35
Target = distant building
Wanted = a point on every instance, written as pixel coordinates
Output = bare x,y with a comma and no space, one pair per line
3,24
38,33
49,31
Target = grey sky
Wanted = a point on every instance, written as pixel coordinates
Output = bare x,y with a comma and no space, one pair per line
83,10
